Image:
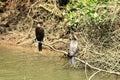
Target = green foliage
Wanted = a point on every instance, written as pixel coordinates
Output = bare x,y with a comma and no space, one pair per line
97,19
85,12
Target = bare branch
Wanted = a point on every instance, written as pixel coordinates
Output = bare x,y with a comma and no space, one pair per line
93,75
112,72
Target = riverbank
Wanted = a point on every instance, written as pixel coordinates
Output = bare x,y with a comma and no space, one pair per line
98,38
28,48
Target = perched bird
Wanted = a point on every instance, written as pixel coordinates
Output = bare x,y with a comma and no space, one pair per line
73,47
39,32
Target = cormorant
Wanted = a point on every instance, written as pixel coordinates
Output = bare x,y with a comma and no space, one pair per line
73,47
39,32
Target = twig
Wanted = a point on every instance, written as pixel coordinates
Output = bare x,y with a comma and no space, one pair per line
93,75
28,34
115,64
86,72
57,42
54,48
45,7
114,14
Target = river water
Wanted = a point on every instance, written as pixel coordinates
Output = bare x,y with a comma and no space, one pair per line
16,64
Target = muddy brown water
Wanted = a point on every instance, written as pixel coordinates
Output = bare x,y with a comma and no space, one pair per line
20,64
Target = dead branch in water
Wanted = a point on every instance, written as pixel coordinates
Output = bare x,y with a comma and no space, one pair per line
84,62
93,75
95,68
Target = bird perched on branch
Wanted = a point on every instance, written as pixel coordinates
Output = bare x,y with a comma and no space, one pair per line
73,47
39,32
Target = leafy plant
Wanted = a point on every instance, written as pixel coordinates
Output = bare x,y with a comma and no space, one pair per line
87,11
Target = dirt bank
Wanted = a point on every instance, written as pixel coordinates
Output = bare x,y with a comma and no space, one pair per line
28,49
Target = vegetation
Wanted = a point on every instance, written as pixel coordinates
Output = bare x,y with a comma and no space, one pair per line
96,24
99,25
98,21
